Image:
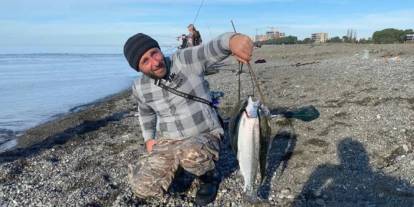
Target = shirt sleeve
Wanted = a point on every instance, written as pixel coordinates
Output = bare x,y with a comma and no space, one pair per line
146,116
198,58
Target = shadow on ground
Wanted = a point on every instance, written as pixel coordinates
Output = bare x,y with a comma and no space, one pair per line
279,154
353,182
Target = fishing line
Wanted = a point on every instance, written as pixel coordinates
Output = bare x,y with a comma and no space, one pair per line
251,79
198,11
252,75
241,69
257,84
240,66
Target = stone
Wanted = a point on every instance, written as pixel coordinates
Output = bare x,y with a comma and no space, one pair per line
320,202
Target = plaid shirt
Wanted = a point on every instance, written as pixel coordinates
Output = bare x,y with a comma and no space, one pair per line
166,115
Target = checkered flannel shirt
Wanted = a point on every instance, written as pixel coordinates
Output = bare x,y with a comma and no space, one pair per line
163,114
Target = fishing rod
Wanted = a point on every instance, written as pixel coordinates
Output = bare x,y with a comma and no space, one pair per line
252,74
198,11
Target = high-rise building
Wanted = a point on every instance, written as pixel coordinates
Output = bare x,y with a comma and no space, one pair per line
274,34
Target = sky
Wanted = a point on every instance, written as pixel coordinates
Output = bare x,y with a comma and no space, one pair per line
102,26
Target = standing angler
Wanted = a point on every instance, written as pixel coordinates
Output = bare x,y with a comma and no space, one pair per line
180,129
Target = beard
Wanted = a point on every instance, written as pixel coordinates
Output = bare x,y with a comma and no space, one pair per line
156,76
159,73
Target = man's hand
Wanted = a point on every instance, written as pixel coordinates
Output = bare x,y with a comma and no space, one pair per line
149,144
242,47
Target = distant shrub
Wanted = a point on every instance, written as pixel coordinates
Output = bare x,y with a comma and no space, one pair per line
390,35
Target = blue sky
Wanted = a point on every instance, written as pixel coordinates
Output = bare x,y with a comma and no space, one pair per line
102,26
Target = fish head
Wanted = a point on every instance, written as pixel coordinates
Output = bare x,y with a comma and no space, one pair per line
252,107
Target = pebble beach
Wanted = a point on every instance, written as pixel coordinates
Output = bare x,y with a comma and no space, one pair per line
359,152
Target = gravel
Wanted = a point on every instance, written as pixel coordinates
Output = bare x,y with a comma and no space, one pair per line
359,152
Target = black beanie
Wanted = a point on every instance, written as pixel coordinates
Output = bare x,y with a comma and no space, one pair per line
136,46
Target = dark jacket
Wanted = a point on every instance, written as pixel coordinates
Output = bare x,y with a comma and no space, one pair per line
197,38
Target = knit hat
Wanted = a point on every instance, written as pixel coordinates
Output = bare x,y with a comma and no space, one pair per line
136,46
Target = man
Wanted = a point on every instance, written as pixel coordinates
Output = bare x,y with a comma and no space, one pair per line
183,41
194,37
178,131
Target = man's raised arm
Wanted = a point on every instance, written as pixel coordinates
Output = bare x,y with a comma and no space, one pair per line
201,57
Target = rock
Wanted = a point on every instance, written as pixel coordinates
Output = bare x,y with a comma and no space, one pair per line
285,191
290,196
320,202
405,148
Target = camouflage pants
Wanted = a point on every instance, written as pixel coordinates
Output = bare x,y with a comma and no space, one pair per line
153,173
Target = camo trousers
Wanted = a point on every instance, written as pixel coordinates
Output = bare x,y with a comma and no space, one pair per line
153,173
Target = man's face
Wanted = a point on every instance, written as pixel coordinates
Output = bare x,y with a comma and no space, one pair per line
152,64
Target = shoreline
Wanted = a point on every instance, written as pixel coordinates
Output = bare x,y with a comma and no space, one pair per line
25,138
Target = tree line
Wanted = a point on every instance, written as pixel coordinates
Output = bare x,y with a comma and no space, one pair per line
385,36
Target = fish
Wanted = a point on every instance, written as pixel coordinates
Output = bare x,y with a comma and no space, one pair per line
250,137
250,133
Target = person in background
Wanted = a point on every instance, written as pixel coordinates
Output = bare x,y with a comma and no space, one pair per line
194,37
183,41
179,132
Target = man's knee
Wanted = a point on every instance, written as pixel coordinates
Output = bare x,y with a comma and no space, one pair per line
152,174
142,185
198,158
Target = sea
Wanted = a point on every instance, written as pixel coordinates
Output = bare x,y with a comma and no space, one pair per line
36,88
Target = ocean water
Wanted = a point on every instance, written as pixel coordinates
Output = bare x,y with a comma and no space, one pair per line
36,87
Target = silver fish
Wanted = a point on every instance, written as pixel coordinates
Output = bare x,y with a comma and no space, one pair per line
250,135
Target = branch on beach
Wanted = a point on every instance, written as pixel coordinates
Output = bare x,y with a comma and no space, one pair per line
307,63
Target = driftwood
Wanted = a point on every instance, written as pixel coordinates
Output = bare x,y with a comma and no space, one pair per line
307,63
261,60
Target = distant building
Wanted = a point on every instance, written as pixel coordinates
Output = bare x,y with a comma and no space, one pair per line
270,35
320,37
409,37
260,38
275,34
